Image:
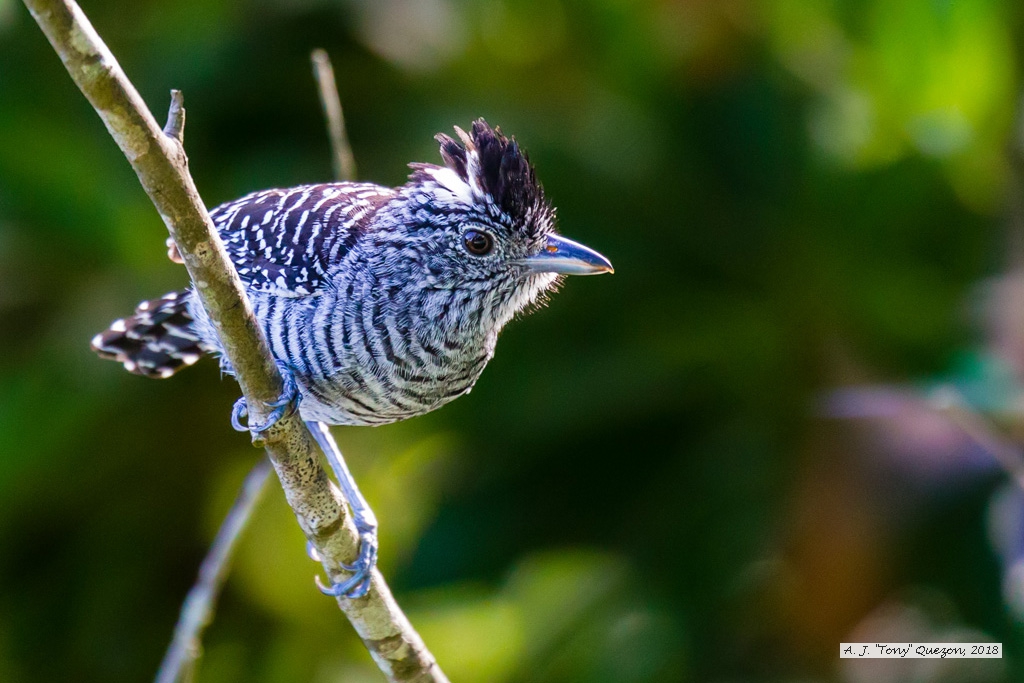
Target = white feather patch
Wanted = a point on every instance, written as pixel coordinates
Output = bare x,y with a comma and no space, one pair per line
449,180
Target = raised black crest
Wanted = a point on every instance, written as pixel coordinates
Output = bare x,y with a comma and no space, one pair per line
501,168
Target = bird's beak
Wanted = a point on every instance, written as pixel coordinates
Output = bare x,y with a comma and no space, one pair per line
561,255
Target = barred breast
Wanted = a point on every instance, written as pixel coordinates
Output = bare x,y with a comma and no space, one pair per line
361,357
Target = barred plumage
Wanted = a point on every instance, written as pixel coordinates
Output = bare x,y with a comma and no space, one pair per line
282,240
156,341
384,303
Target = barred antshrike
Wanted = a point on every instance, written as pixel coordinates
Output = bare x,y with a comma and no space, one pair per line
379,304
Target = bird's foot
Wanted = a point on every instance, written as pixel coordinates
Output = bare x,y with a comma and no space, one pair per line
285,405
357,585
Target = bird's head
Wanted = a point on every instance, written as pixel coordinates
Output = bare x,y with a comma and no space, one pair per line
481,226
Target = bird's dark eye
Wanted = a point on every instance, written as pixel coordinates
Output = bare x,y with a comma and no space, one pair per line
478,242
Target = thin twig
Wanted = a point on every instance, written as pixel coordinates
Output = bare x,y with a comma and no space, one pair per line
197,610
343,159
159,161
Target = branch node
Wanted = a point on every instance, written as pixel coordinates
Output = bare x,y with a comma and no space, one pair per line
175,128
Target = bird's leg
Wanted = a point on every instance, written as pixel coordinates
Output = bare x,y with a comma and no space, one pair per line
286,404
357,585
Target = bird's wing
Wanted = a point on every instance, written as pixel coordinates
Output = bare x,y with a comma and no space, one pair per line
284,241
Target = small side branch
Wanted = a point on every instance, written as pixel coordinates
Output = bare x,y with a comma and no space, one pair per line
159,160
197,611
175,126
341,151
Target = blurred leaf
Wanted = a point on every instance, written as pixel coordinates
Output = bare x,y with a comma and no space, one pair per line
473,637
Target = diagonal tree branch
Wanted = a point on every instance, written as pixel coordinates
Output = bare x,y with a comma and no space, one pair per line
197,610
159,160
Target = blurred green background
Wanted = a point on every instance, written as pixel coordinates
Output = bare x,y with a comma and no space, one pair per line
715,465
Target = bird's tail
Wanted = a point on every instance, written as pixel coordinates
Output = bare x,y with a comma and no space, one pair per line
157,341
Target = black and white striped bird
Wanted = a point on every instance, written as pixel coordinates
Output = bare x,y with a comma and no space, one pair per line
383,303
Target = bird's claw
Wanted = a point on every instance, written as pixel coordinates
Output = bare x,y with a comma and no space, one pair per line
357,585
367,553
312,552
286,404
